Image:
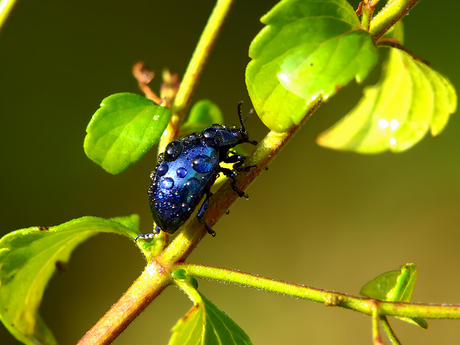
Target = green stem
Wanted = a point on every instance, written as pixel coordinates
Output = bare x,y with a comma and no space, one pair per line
195,68
329,298
389,331
5,9
393,11
376,338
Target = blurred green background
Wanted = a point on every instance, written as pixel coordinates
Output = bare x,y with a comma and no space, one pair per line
327,219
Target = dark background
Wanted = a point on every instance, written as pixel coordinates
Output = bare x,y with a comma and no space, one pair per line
327,219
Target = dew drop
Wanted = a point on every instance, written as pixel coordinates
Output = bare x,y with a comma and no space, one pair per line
202,164
173,150
162,169
181,172
192,184
167,183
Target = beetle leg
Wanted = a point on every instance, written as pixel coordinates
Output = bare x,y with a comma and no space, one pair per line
203,209
156,231
239,161
230,174
235,158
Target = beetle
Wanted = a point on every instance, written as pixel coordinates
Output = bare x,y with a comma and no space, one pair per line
186,171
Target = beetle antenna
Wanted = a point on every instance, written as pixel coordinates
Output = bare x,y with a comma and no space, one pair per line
250,113
240,115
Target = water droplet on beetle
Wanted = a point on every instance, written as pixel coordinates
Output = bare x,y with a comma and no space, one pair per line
167,183
202,164
181,172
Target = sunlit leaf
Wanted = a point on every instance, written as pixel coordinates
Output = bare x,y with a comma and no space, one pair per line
307,52
203,114
28,259
123,129
395,286
6,6
206,324
409,100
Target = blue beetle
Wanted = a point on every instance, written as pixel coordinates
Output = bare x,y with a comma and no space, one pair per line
186,171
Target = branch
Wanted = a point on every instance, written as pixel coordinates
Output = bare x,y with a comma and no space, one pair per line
363,305
149,285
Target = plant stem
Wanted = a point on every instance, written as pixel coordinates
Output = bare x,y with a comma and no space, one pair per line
329,298
393,11
389,331
5,9
195,68
149,285
376,338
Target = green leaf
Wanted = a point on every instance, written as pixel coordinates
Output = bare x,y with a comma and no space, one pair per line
379,287
123,129
307,52
204,113
405,283
179,274
206,324
409,100
395,286
28,259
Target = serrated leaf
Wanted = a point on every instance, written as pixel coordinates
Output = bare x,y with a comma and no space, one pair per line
410,99
206,324
203,114
123,129
28,259
395,286
307,52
